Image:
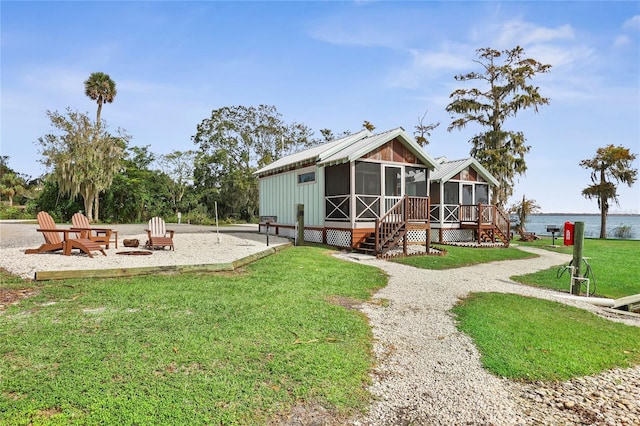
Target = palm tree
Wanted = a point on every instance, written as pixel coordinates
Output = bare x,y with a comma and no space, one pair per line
100,88
11,185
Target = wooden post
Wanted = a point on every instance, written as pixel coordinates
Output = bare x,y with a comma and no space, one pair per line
578,242
428,230
300,219
405,219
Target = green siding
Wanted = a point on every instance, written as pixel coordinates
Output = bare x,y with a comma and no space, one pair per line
279,195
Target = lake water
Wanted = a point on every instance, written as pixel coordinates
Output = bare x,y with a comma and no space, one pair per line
538,223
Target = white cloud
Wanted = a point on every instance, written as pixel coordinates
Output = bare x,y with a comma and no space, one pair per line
343,31
427,65
517,32
621,40
632,23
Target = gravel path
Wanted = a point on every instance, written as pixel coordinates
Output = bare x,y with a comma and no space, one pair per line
429,373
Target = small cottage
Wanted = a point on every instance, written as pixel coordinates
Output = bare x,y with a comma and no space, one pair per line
460,211
365,191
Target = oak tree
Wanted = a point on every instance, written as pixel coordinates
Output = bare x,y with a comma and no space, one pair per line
236,141
82,160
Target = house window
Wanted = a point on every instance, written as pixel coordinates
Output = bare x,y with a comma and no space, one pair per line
307,177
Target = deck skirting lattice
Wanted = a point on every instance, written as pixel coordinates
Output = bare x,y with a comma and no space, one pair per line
451,235
338,238
313,235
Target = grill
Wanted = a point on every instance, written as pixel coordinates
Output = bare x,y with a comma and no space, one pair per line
553,229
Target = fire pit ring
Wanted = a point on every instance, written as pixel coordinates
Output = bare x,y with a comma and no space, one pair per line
135,253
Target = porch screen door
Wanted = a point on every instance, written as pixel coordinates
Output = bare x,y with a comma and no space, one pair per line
393,186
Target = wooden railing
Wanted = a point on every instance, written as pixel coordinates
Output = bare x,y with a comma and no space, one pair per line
418,209
391,223
503,223
367,207
477,213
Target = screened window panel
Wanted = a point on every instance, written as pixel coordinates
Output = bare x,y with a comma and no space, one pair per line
482,194
415,182
451,193
467,194
392,181
337,179
367,178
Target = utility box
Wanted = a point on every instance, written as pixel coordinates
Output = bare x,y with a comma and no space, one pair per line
568,233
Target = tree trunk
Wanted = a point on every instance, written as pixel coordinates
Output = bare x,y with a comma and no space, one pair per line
604,208
98,116
603,222
88,206
96,208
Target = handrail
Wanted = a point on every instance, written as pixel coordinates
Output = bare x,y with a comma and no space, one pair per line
503,223
391,222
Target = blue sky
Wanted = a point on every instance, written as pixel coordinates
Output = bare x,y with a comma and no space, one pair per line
328,65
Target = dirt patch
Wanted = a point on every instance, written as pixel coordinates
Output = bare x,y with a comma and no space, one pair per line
13,296
345,302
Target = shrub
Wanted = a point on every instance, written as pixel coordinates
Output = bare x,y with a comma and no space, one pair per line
13,212
623,232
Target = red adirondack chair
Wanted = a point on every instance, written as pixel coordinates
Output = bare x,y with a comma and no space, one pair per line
62,239
99,235
158,235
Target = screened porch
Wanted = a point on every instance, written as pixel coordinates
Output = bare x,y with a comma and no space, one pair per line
377,188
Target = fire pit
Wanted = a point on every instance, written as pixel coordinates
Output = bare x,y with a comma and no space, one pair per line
134,253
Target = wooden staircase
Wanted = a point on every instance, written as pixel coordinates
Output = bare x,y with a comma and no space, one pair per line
490,224
391,229
368,246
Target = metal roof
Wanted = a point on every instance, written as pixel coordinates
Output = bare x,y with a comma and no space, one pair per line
449,169
347,149
311,155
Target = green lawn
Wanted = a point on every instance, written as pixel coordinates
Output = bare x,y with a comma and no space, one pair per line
531,339
246,347
615,265
457,257
238,348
